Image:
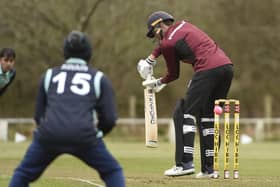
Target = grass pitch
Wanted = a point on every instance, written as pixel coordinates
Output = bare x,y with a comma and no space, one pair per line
144,167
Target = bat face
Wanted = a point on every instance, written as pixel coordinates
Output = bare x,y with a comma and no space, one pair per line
151,126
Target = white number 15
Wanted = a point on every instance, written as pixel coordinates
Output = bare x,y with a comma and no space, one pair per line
80,83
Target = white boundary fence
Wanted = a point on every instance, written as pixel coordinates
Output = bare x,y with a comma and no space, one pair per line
259,125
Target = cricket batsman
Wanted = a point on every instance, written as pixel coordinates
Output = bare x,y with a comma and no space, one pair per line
181,42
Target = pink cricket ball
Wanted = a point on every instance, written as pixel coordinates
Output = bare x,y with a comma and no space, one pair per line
218,110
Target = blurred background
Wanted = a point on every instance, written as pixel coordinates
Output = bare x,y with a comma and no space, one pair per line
248,31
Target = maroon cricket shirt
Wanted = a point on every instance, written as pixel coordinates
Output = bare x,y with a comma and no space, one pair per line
187,43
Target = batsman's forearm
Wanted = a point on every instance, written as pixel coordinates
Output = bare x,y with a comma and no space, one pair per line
152,57
151,60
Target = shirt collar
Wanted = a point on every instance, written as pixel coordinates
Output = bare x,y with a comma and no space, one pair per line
75,61
173,29
2,73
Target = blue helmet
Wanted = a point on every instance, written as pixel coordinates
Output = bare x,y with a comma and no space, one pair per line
77,45
156,18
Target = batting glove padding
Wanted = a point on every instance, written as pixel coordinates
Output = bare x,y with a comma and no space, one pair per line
145,69
152,83
159,88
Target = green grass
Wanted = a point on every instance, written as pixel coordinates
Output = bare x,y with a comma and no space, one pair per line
143,167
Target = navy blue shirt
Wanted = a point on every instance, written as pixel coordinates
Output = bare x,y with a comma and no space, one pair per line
74,102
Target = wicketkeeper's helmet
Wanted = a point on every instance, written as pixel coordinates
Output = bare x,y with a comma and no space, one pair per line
156,18
77,45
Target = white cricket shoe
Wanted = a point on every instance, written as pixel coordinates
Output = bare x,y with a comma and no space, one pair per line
178,171
201,175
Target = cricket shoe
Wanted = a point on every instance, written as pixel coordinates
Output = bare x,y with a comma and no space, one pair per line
202,175
180,170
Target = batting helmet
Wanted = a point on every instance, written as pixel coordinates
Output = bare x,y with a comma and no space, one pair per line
156,18
77,45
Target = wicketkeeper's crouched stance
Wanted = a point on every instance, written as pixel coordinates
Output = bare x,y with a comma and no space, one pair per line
182,41
68,97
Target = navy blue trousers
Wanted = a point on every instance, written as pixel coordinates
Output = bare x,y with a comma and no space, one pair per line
38,157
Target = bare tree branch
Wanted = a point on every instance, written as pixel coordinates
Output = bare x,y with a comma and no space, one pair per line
86,18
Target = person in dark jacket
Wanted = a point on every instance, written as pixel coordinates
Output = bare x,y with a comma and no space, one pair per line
183,42
69,96
7,71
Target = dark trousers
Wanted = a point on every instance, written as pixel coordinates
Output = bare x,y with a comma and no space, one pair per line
38,157
205,88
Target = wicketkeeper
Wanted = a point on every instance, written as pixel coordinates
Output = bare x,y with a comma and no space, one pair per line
182,42
68,97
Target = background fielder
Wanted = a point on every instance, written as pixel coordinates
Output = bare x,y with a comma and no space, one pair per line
178,42
7,71
67,99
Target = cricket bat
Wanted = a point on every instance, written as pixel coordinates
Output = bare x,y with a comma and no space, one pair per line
151,126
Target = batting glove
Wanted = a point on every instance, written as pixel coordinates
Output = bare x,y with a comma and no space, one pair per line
155,84
151,83
144,69
159,88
